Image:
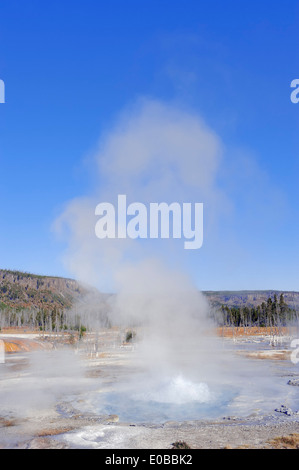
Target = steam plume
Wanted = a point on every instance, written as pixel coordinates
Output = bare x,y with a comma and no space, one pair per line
155,152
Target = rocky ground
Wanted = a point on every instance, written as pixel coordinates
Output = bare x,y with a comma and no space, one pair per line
61,424
52,431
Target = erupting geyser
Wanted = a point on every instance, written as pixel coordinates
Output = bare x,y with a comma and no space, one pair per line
177,390
161,400
156,152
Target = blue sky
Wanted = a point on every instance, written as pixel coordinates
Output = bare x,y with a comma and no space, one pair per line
70,67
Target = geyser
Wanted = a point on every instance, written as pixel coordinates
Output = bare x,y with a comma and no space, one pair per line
177,390
161,400
161,152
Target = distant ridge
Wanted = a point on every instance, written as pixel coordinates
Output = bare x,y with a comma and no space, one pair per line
250,298
26,290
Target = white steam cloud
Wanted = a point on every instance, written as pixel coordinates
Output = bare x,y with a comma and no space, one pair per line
154,153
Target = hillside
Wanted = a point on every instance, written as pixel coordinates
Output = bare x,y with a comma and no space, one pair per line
24,290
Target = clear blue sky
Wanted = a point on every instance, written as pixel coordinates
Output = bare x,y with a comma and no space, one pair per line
71,66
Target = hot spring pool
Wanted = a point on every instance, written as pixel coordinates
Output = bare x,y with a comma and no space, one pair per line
173,399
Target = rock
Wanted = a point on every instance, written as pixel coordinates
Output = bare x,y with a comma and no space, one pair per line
45,443
287,411
294,382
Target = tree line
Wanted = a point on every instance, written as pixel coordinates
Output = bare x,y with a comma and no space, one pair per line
272,313
44,320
